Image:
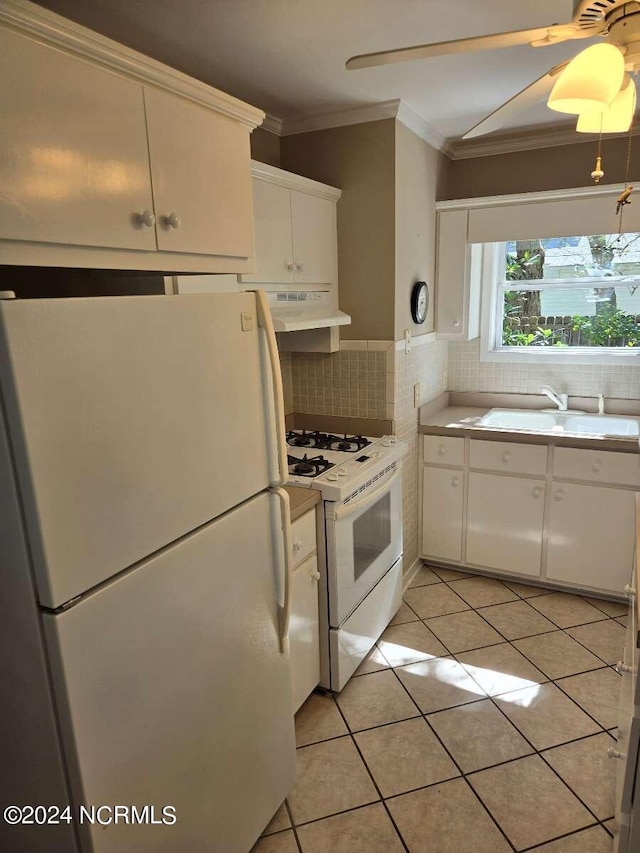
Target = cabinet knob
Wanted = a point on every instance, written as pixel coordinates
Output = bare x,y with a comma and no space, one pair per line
455,481
456,323
537,491
291,267
558,495
597,465
297,546
172,220
506,456
146,218
629,591
613,753
621,667
441,450
315,576
299,267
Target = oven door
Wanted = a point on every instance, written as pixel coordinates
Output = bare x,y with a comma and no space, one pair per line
364,539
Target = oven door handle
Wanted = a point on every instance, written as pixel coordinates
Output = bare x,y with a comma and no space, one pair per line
343,511
284,611
265,321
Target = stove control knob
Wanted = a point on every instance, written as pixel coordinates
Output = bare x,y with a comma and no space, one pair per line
389,441
341,472
332,477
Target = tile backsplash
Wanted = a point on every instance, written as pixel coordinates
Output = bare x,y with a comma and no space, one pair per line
468,373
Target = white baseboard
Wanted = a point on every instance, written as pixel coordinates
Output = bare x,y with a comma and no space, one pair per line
410,574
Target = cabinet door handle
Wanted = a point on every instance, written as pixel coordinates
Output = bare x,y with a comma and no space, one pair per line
455,481
629,591
291,267
172,220
315,576
506,456
537,491
558,495
299,267
456,323
597,465
613,753
146,218
297,546
621,667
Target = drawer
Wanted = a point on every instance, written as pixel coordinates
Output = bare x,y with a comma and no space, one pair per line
442,450
303,533
508,457
597,466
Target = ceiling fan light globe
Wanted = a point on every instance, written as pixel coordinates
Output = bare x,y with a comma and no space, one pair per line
615,119
590,82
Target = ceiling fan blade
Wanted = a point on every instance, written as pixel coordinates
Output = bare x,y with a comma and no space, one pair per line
534,92
444,48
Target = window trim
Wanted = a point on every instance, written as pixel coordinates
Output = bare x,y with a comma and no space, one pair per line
491,327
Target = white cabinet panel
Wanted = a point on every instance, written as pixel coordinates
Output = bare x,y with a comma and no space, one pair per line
458,278
201,178
74,165
303,535
315,247
304,630
591,535
508,457
442,502
440,450
272,219
504,523
596,466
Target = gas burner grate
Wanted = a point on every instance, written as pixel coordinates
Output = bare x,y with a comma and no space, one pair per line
327,441
308,467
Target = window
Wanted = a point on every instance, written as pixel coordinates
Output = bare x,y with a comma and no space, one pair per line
564,299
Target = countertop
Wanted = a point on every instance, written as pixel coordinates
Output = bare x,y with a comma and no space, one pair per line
441,418
302,500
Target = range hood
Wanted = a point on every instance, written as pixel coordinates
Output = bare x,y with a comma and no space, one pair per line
299,310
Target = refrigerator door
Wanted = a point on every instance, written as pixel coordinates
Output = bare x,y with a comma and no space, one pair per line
172,691
132,420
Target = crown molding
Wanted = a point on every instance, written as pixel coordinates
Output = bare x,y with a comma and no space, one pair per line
36,22
341,118
273,124
414,121
273,175
528,139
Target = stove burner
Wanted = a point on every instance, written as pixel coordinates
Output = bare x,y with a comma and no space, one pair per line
327,441
306,467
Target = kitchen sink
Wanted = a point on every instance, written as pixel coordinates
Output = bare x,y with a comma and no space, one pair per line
561,422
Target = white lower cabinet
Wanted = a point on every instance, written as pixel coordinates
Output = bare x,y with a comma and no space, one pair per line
442,509
304,623
504,523
591,535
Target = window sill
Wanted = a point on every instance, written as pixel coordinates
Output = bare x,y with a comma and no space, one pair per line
553,355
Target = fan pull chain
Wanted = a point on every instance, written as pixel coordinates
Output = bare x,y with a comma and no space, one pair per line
623,198
597,173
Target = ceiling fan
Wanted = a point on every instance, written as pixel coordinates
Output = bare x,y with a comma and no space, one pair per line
616,22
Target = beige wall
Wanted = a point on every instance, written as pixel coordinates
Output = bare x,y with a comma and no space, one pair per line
554,168
360,159
265,147
419,171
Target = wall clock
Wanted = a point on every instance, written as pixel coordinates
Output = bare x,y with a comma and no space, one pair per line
419,301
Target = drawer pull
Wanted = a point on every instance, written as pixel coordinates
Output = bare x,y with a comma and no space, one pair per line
613,753
597,465
455,481
297,546
537,491
629,591
558,495
506,456
621,667
441,450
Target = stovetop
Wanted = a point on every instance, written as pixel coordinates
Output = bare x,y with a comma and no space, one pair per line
336,464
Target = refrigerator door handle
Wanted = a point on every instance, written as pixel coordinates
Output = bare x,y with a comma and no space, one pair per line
265,321
284,611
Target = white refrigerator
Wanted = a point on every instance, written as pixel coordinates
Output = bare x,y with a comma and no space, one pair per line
144,574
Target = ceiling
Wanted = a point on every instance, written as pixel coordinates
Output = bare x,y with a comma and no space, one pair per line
287,56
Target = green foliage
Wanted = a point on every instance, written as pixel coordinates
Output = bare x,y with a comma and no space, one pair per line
520,268
609,328
516,338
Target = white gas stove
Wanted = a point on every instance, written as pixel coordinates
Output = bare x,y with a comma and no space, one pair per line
361,483
340,466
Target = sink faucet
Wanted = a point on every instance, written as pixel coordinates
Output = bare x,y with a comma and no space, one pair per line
561,400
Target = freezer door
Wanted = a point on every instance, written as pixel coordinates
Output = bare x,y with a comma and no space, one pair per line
133,420
172,691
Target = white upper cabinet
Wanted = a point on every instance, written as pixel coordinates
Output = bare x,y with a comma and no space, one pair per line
70,173
201,179
109,159
295,229
458,278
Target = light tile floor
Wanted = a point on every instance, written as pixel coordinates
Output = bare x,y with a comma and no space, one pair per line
479,724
